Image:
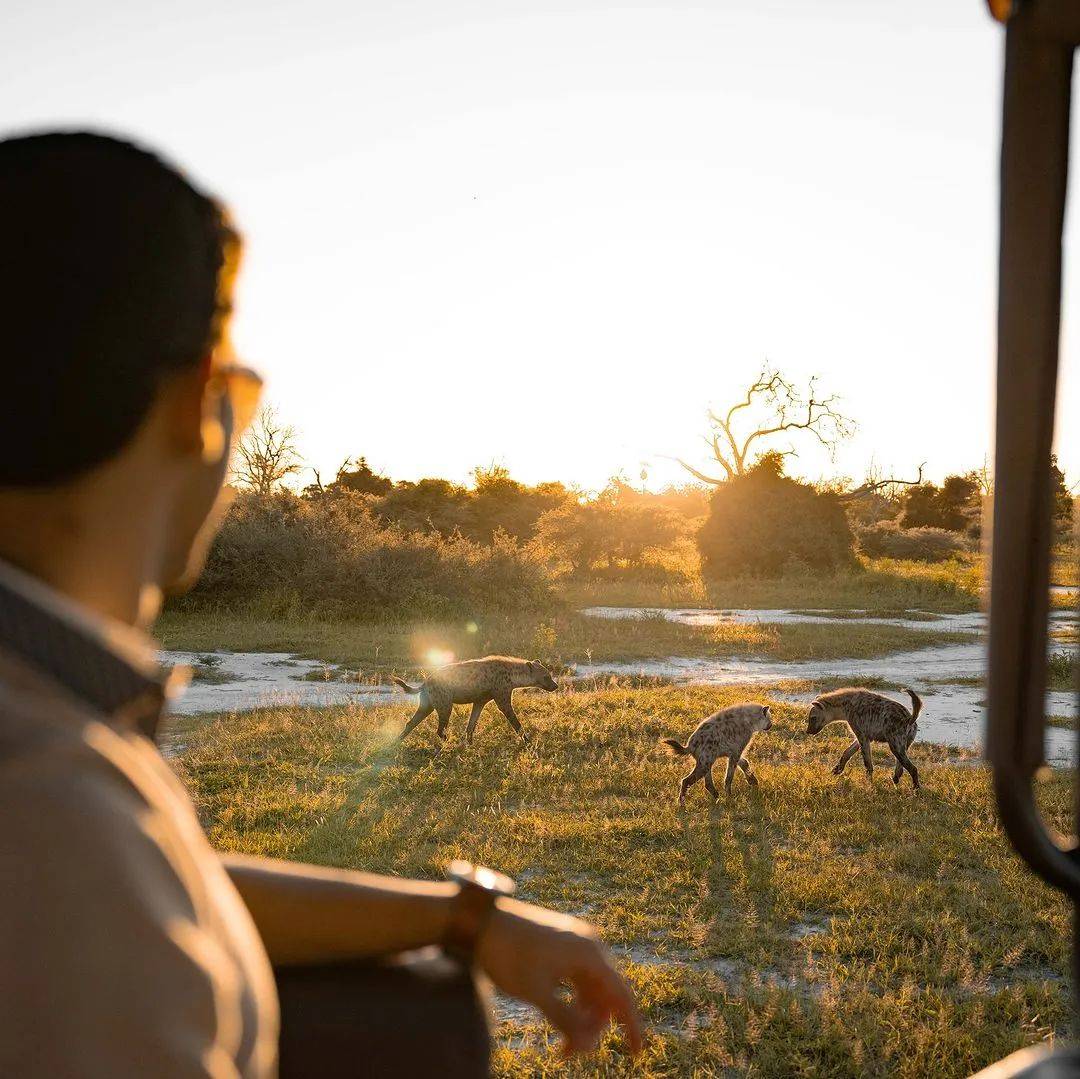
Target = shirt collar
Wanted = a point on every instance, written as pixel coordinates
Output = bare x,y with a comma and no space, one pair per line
106,664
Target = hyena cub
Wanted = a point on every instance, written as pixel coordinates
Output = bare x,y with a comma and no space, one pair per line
872,718
727,733
475,682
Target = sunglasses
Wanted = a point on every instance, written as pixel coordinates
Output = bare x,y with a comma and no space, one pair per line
238,389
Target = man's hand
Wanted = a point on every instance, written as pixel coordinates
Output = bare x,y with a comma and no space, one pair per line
536,955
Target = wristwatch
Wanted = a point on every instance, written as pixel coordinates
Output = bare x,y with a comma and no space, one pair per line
478,890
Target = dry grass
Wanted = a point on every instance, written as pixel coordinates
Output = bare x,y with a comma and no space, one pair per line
882,585
814,928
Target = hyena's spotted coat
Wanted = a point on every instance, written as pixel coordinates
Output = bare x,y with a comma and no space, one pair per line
872,718
727,733
475,682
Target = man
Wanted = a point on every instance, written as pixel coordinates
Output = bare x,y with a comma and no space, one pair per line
127,946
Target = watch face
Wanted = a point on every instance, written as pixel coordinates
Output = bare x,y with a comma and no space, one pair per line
489,879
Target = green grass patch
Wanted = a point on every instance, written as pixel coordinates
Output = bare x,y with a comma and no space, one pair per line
1069,723
882,585
561,640
825,684
848,615
1061,669
207,669
814,927
1065,566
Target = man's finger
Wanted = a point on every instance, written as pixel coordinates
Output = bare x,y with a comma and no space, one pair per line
609,991
579,1027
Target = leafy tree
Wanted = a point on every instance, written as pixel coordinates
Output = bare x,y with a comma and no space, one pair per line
1062,496
954,506
501,503
921,507
357,475
764,521
429,505
601,530
690,500
577,532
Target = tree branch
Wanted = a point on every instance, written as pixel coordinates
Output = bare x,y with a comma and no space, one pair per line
869,488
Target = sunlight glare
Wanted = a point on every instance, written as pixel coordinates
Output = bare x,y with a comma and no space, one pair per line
439,657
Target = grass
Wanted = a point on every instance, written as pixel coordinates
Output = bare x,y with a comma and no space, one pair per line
847,614
1061,669
562,639
1065,565
1069,723
816,927
881,585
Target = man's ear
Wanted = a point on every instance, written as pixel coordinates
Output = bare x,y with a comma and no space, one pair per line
193,412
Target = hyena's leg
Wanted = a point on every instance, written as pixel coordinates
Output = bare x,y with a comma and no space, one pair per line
900,752
732,764
445,713
846,756
423,710
867,759
506,706
744,764
699,772
898,771
474,717
710,786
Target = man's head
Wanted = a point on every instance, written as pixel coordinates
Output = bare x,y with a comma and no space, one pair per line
114,304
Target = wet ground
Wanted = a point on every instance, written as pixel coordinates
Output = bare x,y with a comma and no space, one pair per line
949,677
240,681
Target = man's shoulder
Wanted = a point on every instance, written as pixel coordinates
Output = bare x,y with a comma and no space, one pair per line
34,710
64,766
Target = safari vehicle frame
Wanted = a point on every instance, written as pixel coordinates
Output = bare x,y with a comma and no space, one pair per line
1040,38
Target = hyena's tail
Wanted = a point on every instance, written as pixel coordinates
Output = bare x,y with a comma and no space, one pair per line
677,746
916,702
404,685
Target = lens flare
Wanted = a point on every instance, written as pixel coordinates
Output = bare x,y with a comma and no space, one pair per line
438,657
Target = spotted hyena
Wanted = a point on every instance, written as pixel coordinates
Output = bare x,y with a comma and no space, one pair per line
475,682
872,718
727,733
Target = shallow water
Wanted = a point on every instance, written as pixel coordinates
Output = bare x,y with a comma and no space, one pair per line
257,679
953,713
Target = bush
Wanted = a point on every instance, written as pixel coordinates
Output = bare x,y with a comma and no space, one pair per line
581,534
766,524
332,556
887,539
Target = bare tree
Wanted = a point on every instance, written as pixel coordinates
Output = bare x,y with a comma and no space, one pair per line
780,408
266,454
875,483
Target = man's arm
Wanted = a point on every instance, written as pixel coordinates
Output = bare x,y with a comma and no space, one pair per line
309,914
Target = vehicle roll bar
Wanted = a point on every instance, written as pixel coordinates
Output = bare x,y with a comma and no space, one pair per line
1039,41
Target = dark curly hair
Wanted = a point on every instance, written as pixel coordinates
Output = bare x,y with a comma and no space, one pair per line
115,272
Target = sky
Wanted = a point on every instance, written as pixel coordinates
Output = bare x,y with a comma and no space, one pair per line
550,235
